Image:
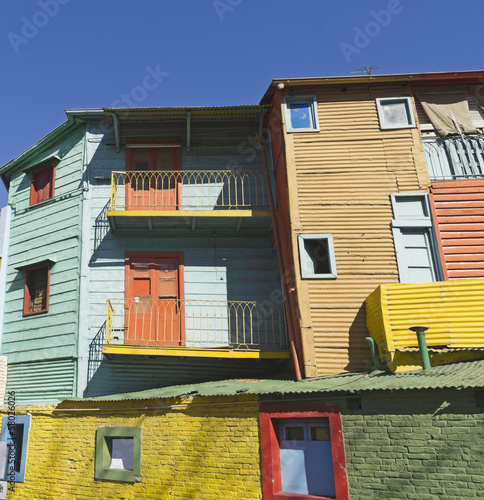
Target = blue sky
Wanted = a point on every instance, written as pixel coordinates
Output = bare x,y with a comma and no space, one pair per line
60,54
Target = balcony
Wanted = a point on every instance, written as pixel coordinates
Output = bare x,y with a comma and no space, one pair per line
454,157
453,311
189,200
201,328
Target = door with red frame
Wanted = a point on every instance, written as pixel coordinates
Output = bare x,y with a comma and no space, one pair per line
151,179
154,312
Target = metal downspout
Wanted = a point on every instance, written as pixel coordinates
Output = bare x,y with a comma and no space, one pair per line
116,132
189,124
375,354
292,347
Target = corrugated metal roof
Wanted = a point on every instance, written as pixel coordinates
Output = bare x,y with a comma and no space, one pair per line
179,113
458,375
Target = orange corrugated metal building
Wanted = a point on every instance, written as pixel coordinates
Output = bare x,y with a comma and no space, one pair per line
349,176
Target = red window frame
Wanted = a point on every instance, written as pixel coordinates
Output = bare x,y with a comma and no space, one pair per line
35,196
27,287
270,416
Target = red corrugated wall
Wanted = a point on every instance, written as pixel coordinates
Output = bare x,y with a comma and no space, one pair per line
458,208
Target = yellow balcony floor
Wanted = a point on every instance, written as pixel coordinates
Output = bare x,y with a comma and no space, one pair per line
190,220
200,352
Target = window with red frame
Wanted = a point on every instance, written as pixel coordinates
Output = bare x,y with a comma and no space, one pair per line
36,298
42,186
302,453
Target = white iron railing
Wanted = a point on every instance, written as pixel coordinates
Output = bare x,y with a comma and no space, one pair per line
455,157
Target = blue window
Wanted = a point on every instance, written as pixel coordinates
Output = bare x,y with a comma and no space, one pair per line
415,242
15,432
301,113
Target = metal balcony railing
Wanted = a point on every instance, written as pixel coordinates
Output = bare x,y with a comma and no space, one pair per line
455,157
196,323
188,190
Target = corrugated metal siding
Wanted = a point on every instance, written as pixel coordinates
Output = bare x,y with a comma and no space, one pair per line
452,311
134,373
459,210
456,375
42,381
345,175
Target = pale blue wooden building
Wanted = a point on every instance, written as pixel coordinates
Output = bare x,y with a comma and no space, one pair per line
140,254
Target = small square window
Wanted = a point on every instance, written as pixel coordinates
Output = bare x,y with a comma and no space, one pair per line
36,296
301,113
316,253
42,185
15,432
118,453
395,113
302,453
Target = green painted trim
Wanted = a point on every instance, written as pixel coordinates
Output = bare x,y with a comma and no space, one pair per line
36,164
68,126
104,437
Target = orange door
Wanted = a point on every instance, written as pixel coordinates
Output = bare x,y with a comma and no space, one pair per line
155,186
138,179
153,311
165,183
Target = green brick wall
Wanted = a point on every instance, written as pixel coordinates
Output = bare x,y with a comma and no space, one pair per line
417,445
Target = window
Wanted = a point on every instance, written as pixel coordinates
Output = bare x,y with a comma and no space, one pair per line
316,253
36,296
153,181
301,113
415,242
118,453
15,432
395,112
42,185
302,453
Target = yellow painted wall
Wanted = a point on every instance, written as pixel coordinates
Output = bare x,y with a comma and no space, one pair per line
190,450
339,181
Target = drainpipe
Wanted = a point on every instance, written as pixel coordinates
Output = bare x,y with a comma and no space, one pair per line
375,354
422,346
292,347
189,122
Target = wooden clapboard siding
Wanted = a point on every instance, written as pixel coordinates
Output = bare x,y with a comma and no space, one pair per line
342,178
221,266
42,348
459,217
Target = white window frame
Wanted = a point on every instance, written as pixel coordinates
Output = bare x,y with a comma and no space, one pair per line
307,266
313,105
407,101
424,221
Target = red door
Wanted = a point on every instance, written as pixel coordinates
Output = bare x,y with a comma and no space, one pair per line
155,186
154,309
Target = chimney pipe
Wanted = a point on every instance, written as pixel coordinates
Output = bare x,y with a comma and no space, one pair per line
422,346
